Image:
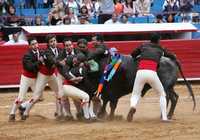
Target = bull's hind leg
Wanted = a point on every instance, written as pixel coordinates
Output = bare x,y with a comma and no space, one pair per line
113,105
102,113
173,97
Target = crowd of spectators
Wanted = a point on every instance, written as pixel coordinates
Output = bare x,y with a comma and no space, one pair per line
65,12
83,11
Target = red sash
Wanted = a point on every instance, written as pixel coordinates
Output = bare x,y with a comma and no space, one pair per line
148,65
44,70
29,74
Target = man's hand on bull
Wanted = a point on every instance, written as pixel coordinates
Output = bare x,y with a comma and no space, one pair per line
76,79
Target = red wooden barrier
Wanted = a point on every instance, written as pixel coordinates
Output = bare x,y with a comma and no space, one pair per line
187,51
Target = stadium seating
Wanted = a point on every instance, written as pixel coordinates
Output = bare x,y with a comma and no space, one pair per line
42,11
27,12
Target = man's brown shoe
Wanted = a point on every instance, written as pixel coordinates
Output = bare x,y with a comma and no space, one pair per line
130,114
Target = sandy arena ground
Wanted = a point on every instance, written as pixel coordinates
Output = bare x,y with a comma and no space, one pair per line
146,125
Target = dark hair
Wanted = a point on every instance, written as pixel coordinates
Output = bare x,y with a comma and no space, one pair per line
82,40
159,16
31,39
49,37
67,39
155,38
99,37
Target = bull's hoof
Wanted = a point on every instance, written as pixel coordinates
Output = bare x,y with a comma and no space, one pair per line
130,114
169,117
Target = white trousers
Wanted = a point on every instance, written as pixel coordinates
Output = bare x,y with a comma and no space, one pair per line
150,77
76,93
25,84
42,81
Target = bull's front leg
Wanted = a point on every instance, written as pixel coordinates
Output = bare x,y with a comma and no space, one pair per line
113,105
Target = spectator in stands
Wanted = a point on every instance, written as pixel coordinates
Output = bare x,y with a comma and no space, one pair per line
89,5
186,9
124,19
159,19
130,7
113,20
3,7
143,7
170,18
73,5
12,19
70,13
38,21
118,7
83,20
54,17
106,10
84,12
96,5
66,20
16,38
171,6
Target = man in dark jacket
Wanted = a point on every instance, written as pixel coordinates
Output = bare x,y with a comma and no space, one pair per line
148,56
31,62
46,74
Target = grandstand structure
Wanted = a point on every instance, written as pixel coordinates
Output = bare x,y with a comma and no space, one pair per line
184,38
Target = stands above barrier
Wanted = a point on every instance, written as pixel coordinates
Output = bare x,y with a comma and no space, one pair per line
180,30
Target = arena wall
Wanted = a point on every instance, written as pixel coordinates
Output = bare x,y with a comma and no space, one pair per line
187,51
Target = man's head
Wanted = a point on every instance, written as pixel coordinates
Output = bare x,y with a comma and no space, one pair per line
33,44
16,36
67,42
97,39
82,44
155,38
51,40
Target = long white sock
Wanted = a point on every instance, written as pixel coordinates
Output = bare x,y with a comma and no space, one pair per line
86,110
29,105
59,107
91,111
66,107
134,100
14,108
163,107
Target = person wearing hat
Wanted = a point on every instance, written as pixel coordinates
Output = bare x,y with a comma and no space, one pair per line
148,56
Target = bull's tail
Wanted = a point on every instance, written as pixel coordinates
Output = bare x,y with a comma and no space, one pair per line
187,84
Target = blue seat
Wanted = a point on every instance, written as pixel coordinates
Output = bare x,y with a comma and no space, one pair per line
28,12
196,8
131,19
42,11
94,20
141,19
178,18
151,19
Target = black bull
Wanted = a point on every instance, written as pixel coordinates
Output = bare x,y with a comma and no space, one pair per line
123,80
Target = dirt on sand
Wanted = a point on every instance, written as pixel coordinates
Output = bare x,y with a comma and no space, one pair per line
146,125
